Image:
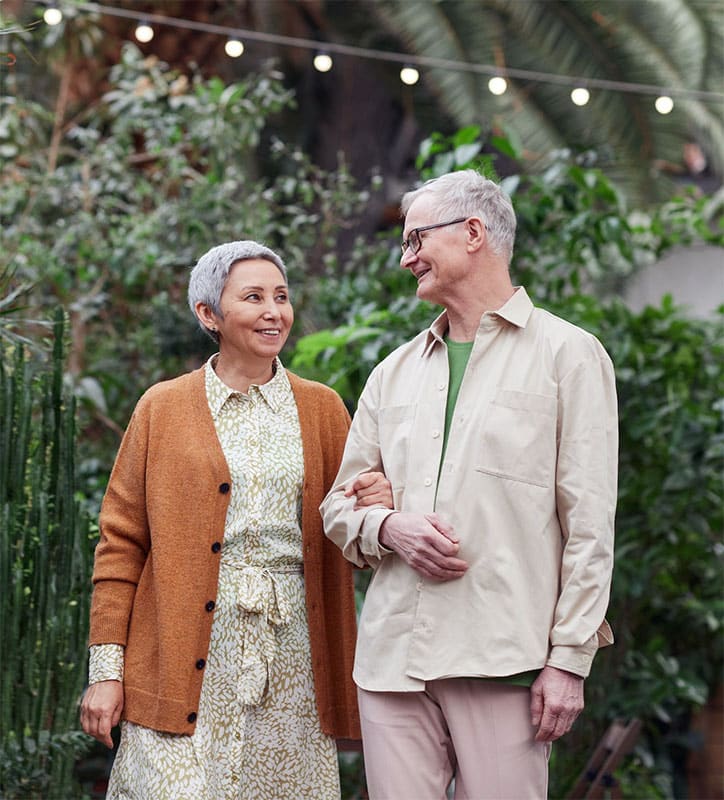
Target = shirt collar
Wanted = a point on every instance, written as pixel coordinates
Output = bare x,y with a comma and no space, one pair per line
273,392
516,310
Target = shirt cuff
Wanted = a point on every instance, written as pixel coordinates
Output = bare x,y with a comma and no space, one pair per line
105,663
577,660
370,533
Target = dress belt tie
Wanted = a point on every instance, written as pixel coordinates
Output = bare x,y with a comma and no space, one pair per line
268,603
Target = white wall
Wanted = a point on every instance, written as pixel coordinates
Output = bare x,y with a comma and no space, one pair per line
693,276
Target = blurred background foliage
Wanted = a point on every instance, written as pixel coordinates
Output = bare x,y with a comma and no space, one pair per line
104,208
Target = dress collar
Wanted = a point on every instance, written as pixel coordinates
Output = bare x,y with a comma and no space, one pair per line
274,392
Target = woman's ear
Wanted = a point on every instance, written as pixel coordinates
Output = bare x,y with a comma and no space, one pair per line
206,316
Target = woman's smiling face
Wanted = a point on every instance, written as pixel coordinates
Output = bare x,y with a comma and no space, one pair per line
256,313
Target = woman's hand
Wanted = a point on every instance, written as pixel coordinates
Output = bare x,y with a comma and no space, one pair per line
101,709
370,488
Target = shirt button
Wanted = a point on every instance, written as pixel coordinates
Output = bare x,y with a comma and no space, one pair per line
436,434
441,387
224,488
192,717
210,606
215,547
428,481
200,664
418,586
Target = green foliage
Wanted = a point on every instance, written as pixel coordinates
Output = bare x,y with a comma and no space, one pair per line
440,154
162,168
669,371
44,572
666,606
575,232
352,776
375,298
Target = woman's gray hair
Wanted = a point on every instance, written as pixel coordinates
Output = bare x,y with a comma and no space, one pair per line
468,194
209,276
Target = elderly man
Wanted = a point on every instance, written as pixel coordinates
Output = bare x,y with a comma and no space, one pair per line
498,430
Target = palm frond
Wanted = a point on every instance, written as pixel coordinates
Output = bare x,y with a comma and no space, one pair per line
677,43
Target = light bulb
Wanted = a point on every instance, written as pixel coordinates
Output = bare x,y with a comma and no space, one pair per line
497,85
143,32
580,96
52,16
234,48
322,62
409,76
664,104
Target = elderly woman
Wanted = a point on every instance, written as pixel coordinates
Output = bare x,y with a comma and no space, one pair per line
222,620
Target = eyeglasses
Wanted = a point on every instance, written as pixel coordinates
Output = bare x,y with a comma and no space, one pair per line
414,240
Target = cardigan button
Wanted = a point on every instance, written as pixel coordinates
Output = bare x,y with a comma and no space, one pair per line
192,717
224,488
200,664
210,606
215,547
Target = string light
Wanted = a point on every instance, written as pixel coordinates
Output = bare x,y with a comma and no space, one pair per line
401,58
664,104
409,76
143,32
497,85
322,62
234,48
52,16
580,96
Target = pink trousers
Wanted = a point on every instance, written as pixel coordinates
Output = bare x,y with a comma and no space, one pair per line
475,731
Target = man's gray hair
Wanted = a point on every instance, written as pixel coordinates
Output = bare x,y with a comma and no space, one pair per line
209,276
468,194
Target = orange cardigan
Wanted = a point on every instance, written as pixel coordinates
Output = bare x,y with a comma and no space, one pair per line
157,562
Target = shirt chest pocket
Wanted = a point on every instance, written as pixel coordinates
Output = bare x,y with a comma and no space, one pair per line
519,438
395,433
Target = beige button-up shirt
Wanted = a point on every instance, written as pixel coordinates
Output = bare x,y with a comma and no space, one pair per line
528,482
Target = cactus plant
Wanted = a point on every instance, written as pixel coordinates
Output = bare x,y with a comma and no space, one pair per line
45,561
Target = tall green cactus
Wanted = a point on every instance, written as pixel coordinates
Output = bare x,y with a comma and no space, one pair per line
45,561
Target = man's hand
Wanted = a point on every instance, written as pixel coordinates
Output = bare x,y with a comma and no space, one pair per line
101,710
556,700
370,488
426,543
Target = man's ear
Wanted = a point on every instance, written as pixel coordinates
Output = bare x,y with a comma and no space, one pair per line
476,233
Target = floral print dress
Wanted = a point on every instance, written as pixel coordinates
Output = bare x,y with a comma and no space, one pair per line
257,733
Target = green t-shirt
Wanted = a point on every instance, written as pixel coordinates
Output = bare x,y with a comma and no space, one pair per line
458,355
